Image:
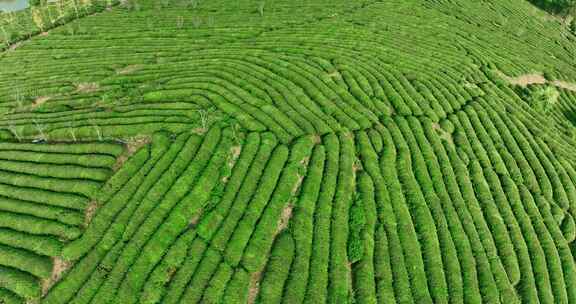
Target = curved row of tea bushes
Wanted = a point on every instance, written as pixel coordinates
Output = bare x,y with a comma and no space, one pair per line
301,152
42,204
120,209
151,221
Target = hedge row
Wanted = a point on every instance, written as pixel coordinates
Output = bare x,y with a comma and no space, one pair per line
277,270
85,160
57,171
108,200
205,270
43,197
237,289
120,209
408,226
452,238
526,285
152,222
182,277
129,168
9,297
37,226
317,287
77,148
18,282
365,276
375,168
566,256
84,188
213,217
493,279
286,190
175,222
62,215
339,286
537,256
230,220
447,188
553,262
155,286
495,222
302,228
214,291
429,219
39,244
241,236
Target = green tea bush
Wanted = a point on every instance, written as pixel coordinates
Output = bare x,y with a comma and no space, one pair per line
20,283
302,228
215,216
155,286
243,232
205,270
174,224
364,274
288,187
216,287
277,270
357,223
39,244
237,289
230,220
317,290
181,279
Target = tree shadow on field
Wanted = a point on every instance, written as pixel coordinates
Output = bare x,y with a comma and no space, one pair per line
571,117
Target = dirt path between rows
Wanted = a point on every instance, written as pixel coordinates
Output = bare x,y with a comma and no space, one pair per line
528,79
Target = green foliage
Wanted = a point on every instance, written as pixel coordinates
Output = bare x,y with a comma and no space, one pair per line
277,270
294,152
541,98
357,223
556,6
302,228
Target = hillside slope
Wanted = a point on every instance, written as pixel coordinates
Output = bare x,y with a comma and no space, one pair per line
288,151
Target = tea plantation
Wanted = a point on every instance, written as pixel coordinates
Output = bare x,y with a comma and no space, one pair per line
288,151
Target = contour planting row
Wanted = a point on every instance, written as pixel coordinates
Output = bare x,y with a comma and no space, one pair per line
342,91
429,221
45,190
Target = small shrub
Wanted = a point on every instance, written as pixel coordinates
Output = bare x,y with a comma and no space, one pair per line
542,98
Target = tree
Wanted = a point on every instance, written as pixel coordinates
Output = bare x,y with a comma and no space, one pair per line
541,98
562,7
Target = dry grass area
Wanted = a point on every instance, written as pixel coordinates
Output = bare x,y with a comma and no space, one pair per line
129,69
90,212
254,287
59,268
133,144
87,87
525,80
41,100
284,218
536,78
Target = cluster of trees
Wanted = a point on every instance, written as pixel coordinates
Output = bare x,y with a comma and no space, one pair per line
541,98
557,6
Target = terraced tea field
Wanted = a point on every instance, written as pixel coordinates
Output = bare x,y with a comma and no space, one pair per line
287,151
